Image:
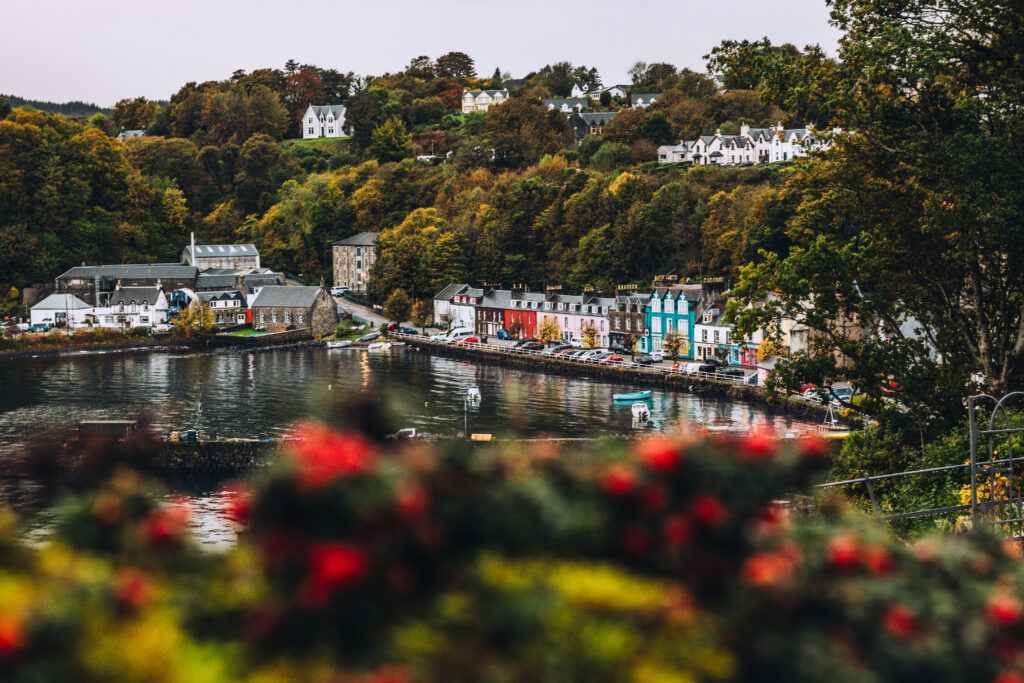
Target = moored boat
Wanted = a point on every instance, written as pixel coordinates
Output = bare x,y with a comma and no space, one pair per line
635,396
473,393
379,346
334,344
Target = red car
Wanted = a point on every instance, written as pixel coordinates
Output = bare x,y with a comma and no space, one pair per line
612,358
393,327
467,341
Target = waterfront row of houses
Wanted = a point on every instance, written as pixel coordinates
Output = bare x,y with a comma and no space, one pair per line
695,312
229,278
751,147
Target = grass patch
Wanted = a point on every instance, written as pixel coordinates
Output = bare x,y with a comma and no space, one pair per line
246,332
350,329
330,145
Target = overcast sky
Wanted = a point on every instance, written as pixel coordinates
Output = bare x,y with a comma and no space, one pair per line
102,51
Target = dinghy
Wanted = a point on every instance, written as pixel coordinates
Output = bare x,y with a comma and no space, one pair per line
635,396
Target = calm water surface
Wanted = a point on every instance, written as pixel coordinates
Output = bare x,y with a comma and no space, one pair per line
260,394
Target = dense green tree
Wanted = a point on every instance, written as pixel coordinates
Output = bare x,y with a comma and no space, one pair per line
398,306
455,65
521,130
652,77
133,114
5,107
421,67
363,114
391,142
924,248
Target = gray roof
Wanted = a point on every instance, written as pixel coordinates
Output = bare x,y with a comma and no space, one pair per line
134,295
601,117
448,292
589,87
530,296
222,295
61,302
360,239
571,101
492,93
643,95
322,109
282,296
209,280
141,271
472,291
218,250
497,298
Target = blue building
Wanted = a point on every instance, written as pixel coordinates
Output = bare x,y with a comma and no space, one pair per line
672,307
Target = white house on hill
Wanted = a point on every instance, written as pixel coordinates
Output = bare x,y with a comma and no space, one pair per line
481,100
323,121
60,309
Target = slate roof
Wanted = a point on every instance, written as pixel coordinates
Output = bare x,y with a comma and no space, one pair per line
222,295
61,302
646,96
218,250
557,102
282,296
322,109
210,280
492,93
599,117
448,292
134,295
360,239
497,298
141,271
589,87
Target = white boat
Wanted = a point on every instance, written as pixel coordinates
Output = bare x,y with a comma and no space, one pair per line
334,344
379,346
473,393
641,412
832,428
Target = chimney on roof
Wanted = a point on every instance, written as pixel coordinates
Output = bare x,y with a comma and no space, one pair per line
744,130
192,251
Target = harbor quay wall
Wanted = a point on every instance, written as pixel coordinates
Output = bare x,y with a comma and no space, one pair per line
208,457
636,378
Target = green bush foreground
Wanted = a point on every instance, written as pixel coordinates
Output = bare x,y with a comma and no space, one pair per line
359,560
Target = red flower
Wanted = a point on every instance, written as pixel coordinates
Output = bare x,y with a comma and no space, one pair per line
333,566
619,480
815,447
636,540
843,551
132,588
389,674
12,636
708,510
167,524
677,530
900,621
1004,609
653,498
879,560
323,455
659,454
278,546
237,504
757,447
768,569
412,501
1009,677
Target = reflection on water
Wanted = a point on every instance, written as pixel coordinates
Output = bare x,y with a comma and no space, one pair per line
260,394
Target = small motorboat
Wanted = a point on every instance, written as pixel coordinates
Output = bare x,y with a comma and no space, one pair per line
635,396
641,413
473,393
334,344
379,346
832,428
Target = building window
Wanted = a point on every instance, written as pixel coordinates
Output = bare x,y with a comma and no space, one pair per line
109,319
716,336
311,131
331,129
602,326
704,336
287,317
263,318
273,316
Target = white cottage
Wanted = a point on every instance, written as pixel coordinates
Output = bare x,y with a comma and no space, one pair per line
323,121
60,310
130,307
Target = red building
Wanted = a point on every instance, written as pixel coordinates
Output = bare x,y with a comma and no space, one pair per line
521,313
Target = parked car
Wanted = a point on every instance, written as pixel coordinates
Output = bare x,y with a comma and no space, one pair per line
39,327
610,358
646,359
593,354
161,328
467,341
535,345
618,348
557,348
503,334
731,373
393,327
338,291
408,330
570,354
714,361
458,333
523,342
689,368
658,355
373,336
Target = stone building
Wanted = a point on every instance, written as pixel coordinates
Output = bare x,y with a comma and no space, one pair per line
228,256
279,308
627,318
353,257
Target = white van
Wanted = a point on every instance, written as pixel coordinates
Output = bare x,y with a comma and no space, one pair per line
459,333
